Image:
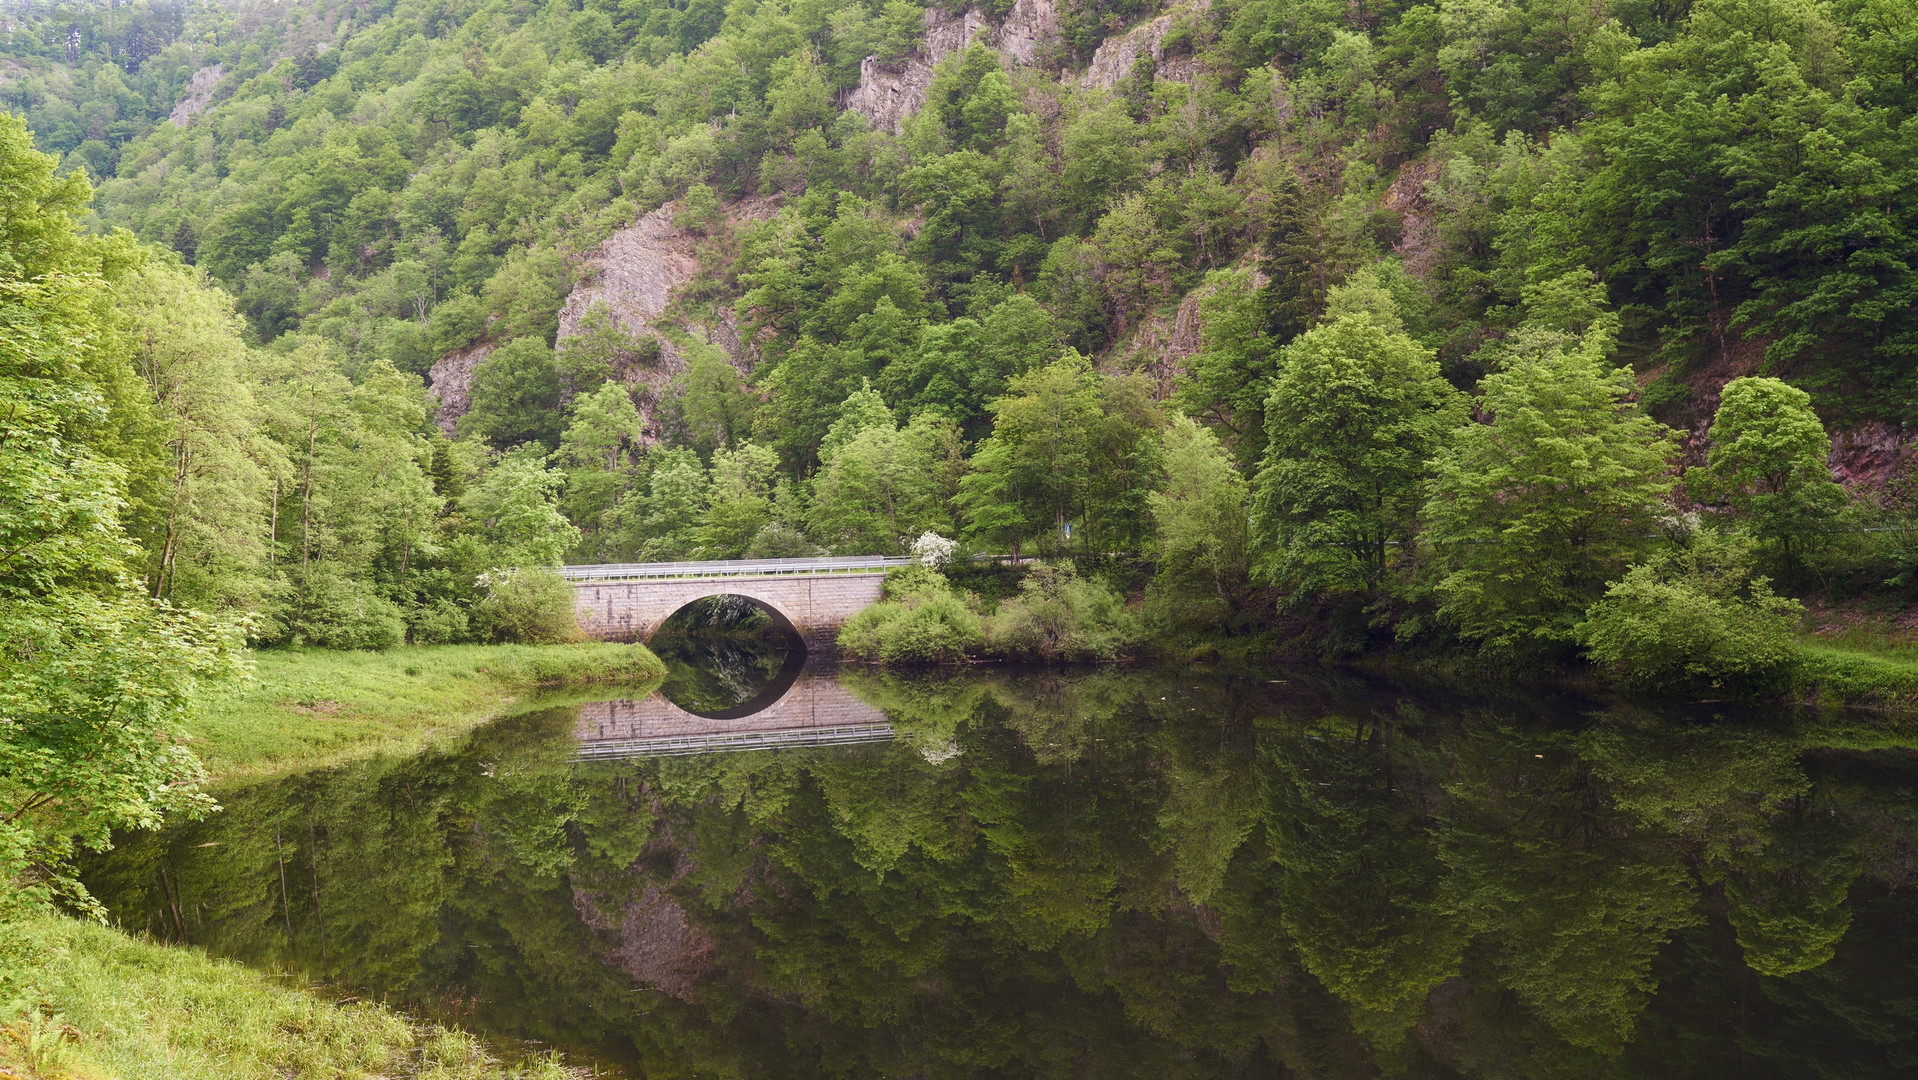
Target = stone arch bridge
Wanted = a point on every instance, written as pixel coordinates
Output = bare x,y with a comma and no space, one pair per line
628,601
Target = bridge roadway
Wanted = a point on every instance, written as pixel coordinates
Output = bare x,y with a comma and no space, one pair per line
814,711
628,601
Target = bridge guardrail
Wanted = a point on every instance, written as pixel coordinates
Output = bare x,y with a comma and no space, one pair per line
860,564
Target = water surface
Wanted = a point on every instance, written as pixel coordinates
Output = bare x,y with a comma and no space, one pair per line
1152,873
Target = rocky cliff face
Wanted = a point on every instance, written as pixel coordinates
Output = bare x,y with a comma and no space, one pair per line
199,95
451,382
888,95
632,275
1117,56
885,96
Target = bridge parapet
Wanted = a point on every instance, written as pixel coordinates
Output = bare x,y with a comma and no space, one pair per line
811,567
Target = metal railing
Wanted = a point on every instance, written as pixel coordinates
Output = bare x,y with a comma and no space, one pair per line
731,742
725,568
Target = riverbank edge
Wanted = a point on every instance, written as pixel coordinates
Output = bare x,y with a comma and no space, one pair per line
99,1004
317,708
100,994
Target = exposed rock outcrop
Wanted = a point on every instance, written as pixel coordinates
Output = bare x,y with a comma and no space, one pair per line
451,381
887,95
1409,197
634,272
1116,57
1869,454
1027,28
199,95
632,275
947,33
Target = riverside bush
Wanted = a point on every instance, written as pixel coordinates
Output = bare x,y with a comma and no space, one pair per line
528,607
1693,616
1059,615
918,620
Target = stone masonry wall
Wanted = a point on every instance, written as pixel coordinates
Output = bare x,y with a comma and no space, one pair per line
632,610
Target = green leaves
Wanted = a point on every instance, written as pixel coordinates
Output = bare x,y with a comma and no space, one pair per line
1531,513
95,679
1692,617
1768,463
1355,415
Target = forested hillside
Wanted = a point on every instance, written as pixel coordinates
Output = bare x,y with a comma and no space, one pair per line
1367,317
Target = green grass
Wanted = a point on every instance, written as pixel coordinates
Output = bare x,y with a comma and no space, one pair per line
102,1004
1884,677
310,708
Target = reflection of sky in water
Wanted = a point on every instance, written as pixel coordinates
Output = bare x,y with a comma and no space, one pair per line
1114,873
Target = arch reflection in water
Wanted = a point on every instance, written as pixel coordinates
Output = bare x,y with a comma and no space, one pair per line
738,678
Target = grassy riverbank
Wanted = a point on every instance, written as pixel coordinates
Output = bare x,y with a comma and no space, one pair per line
104,1005
1875,676
310,708
99,1004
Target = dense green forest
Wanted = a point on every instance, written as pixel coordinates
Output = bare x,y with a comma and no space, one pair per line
1362,323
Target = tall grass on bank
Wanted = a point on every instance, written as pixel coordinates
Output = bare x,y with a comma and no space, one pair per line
1881,677
309,708
100,1004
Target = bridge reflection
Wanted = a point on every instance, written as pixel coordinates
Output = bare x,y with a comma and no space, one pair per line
812,709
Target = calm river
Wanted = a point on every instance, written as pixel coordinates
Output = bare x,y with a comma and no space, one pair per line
1158,873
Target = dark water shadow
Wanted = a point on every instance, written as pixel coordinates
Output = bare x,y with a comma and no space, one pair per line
727,657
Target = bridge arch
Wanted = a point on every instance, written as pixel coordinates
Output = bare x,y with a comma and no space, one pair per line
780,618
815,596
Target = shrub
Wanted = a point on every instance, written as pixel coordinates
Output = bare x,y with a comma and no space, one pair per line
440,622
914,581
919,621
532,607
780,541
1061,616
932,630
1692,616
340,613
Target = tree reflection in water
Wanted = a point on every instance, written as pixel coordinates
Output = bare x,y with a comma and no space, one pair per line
1110,873
726,655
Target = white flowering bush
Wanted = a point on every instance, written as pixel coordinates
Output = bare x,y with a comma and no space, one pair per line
933,550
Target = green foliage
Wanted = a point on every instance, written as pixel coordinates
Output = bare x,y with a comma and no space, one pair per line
516,396
1295,271
96,678
527,607
739,500
1356,413
518,503
1059,615
375,192
1768,463
880,486
334,611
1070,458
1693,616
1533,512
919,621
1203,542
